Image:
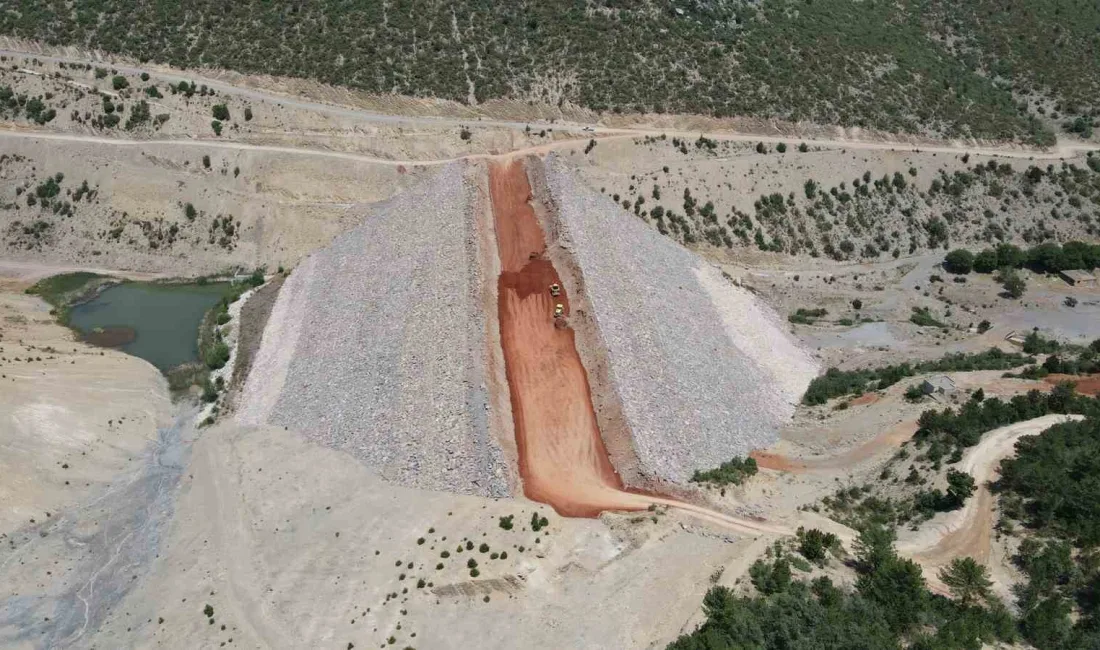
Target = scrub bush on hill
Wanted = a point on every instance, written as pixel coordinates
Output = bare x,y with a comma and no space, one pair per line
1036,343
814,544
1049,486
909,66
1013,284
805,316
1064,460
733,472
1048,257
959,261
945,431
1068,362
922,317
889,608
835,382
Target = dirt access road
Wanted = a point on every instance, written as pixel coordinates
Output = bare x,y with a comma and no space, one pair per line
582,130
968,531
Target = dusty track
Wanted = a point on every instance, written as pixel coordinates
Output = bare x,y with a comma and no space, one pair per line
1063,150
562,458
967,532
1059,153
886,441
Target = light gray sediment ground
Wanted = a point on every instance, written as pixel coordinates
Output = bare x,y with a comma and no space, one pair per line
376,345
705,370
62,577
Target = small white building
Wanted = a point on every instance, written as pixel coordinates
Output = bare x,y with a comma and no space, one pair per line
938,385
1078,278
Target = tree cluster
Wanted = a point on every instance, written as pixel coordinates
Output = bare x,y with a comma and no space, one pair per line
889,608
732,472
949,430
836,382
1048,257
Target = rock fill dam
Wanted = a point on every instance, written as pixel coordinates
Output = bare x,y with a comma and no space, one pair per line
424,342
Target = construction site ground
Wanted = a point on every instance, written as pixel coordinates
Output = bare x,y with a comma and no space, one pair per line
127,519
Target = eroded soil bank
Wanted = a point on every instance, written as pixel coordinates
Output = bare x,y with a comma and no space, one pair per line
562,457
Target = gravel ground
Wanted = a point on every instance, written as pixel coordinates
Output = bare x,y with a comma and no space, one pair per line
388,361
250,328
694,394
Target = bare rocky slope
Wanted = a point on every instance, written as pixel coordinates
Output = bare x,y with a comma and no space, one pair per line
695,389
376,345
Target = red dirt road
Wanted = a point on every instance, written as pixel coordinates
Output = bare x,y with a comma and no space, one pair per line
1086,384
562,458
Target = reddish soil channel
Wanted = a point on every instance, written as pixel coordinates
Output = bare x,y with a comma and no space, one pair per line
562,458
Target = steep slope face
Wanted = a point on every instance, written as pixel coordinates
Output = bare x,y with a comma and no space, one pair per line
562,457
376,345
704,370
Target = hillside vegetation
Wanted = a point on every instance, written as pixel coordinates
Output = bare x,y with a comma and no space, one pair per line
977,68
874,214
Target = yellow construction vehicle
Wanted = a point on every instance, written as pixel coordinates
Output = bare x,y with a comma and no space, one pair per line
555,290
559,310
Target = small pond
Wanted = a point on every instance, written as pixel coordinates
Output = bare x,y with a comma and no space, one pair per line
157,322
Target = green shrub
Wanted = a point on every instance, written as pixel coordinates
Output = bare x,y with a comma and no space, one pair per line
732,472
836,382
220,112
959,261
922,317
1036,343
1013,284
1064,461
814,544
807,316
217,355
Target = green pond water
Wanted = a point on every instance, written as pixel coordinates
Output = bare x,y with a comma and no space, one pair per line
157,322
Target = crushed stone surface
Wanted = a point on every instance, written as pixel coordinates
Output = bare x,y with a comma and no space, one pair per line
693,395
387,359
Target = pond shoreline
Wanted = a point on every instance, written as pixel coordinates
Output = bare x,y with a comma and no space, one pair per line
163,319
